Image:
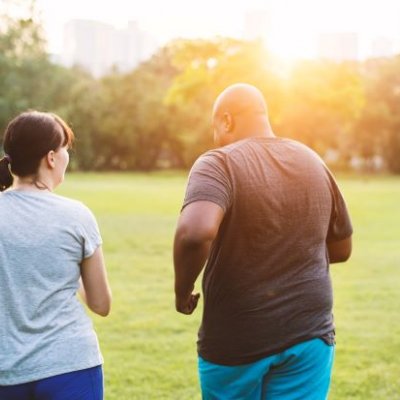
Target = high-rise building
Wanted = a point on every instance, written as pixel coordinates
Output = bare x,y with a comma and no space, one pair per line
99,47
338,46
382,47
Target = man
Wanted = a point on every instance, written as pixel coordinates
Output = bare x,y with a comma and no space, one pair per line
268,217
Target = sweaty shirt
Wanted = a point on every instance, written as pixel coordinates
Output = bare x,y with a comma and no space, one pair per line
266,284
44,329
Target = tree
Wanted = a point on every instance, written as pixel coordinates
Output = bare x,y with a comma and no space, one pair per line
322,99
78,99
24,67
29,80
136,126
377,131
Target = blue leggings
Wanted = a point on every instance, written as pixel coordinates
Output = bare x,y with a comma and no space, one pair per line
301,372
86,384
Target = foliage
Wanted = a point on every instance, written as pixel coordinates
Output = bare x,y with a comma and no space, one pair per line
81,108
23,67
159,114
321,101
29,80
137,127
378,128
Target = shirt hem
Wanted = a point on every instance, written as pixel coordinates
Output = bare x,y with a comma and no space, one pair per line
43,374
258,357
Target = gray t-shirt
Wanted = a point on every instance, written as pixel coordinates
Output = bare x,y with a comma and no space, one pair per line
266,284
44,329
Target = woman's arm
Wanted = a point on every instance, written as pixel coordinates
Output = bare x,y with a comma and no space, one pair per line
95,289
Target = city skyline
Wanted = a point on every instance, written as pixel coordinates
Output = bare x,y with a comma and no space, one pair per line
99,47
294,32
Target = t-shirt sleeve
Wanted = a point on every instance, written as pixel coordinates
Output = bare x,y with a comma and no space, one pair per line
209,181
90,233
340,226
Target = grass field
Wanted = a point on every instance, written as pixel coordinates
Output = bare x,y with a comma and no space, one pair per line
149,349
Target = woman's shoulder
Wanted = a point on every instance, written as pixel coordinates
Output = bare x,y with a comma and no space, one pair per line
72,206
46,205
67,201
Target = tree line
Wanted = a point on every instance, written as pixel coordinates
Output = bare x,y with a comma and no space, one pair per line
159,114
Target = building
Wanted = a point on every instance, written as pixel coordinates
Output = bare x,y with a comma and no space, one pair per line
343,46
99,47
382,47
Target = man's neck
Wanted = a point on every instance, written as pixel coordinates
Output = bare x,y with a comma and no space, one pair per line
257,130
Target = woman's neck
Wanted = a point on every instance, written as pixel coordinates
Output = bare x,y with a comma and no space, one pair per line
31,184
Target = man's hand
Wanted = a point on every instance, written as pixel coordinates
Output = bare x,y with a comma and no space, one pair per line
188,304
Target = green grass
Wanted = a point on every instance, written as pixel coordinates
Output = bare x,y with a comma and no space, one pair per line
149,349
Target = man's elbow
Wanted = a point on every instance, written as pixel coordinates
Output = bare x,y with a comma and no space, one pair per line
191,237
339,258
340,251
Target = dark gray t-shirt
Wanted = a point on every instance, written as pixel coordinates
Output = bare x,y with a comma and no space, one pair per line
266,284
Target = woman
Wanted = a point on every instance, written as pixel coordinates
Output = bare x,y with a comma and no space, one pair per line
48,245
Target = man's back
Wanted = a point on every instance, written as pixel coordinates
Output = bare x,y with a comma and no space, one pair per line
266,284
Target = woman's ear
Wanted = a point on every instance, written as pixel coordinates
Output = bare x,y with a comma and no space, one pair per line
50,159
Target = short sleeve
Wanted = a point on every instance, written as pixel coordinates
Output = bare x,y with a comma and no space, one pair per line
90,233
340,226
209,181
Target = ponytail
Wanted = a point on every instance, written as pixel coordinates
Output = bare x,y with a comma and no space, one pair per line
6,179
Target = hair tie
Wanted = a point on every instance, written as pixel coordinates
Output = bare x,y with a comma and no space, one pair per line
8,158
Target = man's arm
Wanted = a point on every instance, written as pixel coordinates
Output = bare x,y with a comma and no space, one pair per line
197,228
339,251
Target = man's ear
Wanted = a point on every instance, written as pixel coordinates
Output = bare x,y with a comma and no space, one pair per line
50,159
228,122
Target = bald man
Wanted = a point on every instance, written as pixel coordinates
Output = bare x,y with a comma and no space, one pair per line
267,218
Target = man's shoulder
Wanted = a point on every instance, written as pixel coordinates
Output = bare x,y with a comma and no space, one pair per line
300,149
285,146
226,151
213,157
221,154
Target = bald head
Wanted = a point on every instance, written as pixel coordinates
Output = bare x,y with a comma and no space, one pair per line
240,98
240,111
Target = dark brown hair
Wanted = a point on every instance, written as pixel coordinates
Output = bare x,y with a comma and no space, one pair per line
27,139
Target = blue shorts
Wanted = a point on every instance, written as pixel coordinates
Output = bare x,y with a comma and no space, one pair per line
301,372
86,384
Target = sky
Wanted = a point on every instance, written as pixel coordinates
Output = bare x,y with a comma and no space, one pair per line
295,24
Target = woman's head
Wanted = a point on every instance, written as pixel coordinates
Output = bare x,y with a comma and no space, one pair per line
31,140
